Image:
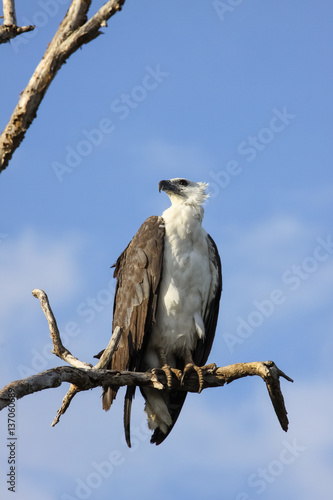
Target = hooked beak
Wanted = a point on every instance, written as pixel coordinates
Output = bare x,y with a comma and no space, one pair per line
166,186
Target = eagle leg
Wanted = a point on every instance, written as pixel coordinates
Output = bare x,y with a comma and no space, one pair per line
165,367
191,366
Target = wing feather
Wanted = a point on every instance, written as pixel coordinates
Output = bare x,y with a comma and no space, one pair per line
204,346
138,273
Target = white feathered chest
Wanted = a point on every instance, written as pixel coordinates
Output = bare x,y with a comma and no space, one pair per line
186,281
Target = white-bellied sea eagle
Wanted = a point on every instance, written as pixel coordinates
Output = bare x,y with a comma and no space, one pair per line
166,302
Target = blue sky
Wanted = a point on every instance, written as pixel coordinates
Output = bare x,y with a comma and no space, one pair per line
237,94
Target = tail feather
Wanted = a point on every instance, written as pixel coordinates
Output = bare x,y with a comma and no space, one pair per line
175,404
127,413
108,397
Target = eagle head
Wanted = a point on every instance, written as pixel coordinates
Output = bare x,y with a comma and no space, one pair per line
184,191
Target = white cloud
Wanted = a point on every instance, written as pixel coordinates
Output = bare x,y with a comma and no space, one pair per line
256,259
268,243
36,260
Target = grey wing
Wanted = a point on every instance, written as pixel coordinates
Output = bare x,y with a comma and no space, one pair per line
138,272
203,347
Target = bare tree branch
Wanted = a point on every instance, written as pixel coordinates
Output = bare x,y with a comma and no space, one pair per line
106,357
72,391
9,13
9,29
83,376
74,31
103,362
63,353
58,348
84,379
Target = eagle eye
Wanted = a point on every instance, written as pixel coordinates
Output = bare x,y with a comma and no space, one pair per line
183,182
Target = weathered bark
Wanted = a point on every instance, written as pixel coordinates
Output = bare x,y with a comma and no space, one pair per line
74,31
83,376
84,379
9,14
9,29
63,353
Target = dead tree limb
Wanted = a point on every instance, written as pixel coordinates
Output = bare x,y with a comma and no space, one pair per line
63,353
74,31
83,376
9,28
84,379
58,348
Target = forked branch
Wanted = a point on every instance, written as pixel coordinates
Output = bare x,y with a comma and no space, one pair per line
74,31
9,28
83,376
